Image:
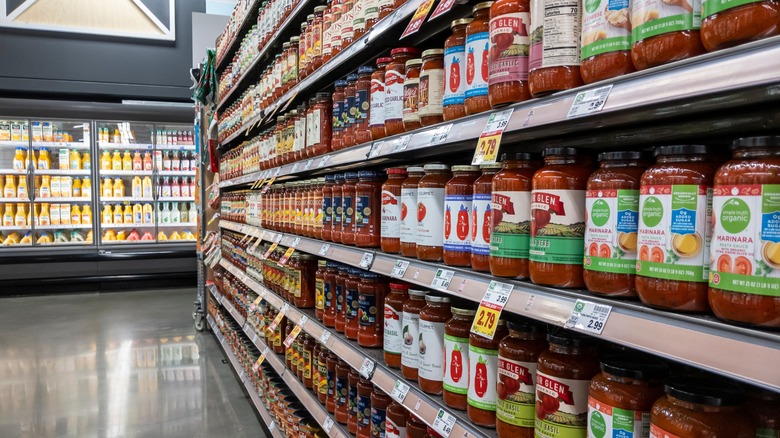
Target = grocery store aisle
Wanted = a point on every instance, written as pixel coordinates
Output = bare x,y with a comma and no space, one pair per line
115,365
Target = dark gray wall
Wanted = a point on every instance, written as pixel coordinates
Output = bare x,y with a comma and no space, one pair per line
49,64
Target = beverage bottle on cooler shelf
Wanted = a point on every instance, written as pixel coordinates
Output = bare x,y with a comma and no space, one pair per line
86,161
175,217
44,217
106,188
193,214
105,161
183,214
127,214
175,188
117,137
108,216
119,188
186,161
166,188
137,187
158,160
86,187
44,189
175,161
147,187
165,213
166,160
116,161
65,214
138,162
21,188
19,157
56,187
118,215
44,159
20,220
138,214
75,160
54,214
9,189
147,163
66,186
86,215
185,187
76,189
75,215
148,213
63,159
127,161
8,215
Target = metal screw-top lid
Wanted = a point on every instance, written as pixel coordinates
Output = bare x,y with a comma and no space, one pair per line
465,168
435,166
432,52
686,149
481,6
417,292
461,21
413,62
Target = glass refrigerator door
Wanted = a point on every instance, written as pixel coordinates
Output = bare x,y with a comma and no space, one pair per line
175,161
62,208
16,226
126,188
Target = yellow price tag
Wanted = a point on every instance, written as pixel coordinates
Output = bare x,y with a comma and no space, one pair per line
255,303
287,254
271,249
490,139
268,185
489,311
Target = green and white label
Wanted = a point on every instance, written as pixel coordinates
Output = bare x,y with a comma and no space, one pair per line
712,7
456,364
511,224
483,371
606,421
557,226
650,18
605,27
611,231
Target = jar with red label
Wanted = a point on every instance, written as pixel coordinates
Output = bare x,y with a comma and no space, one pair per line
302,73
318,126
348,114
390,223
518,353
337,123
455,71
359,18
329,278
363,104
655,42
351,303
456,358
558,218
477,51
379,405
430,212
411,113
431,369
409,211
348,208
458,199
363,408
431,87
352,399
372,289
393,337
554,61
376,111
338,208
483,373
319,290
410,348
372,13
342,391
341,293
510,22
347,23
386,7
309,61
481,222
368,201
395,421
395,72
563,376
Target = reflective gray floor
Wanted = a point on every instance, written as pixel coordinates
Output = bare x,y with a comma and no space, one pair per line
115,365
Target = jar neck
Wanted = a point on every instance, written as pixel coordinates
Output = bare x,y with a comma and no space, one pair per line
396,176
481,14
459,30
436,172
381,66
526,336
466,173
755,152
561,159
568,350
682,158
416,298
624,380
516,164
398,292
701,407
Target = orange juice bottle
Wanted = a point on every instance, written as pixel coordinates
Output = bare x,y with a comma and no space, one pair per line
147,187
86,162
8,215
148,214
86,187
44,217
127,161
20,220
36,210
108,216
30,156
9,190
109,235
75,160
76,187
128,214
138,214
147,161
137,187
21,189
86,215
44,159
44,190
117,137
56,187
107,188
119,188
138,162
105,161
75,215
19,157
118,214
116,161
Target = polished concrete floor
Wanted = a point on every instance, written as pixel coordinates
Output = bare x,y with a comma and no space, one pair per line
124,364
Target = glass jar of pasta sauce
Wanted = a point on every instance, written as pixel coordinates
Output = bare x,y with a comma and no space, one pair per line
393,337
338,207
363,104
351,303
431,368
410,349
411,112
319,287
675,200
348,116
612,206
379,404
455,71
341,295
456,358
390,226
602,57
342,391
332,395
416,428
395,72
431,87
327,207
385,8
352,401
458,198
329,277
554,61
322,372
368,199
477,51
377,99
510,215
483,373
409,211
481,222
510,42
395,421
318,125
372,289
558,218
655,43
726,24
348,208
430,212
337,123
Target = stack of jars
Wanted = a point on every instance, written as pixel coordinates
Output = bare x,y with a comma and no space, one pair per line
233,206
243,57
237,16
242,160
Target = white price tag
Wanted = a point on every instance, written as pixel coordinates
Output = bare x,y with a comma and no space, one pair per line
367,368
399,269
376,149
442,279
271,426
497,293
277,172
295,242
589,101
400,389
295,167
308,164
278,238
589,317
402,142
215,260
439,135
365,262
323,161
443,423
327,425
324,337
324,249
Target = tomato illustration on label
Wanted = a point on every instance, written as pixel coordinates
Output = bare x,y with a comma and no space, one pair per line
485,63
404,211
455,75
470,66
456,368
463,223
447,223
546,404
420,212
474,225
507,386
480,378
487,223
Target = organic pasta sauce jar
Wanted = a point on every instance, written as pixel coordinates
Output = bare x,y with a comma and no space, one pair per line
727,23
663,31
558,218
410,349
458,197
430,212
606,40
456,357
455,70
481,222
612,208
433,316
675,210
483,374
745,250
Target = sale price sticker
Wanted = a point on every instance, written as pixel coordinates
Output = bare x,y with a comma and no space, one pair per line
442,8
295,331
400,389
286,256
260,360
589,317
418,18
444,423
489,311
490,139
270,250
589,101
399,269
279,316
442,279
255,303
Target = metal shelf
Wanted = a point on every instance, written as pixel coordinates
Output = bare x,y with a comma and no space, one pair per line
64,227
662,333
176,172
175,147
66,172
53,144
129,146
14,144
176,199
125,172
125,199
179,224
60,199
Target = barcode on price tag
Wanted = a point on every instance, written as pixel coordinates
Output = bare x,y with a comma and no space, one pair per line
444,423
589,101
365,262
442,279
324,249
400,389
367,368
323,161
589,317
399,269
489,311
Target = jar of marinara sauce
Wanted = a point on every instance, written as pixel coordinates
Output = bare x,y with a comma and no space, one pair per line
337,123
726,24
739,209
342,391
376,112
554,64
372,289
431,369
411,113
363,104
327,207
319,287
416,428
483,373
348,208
456,358
341,295
477,51
395,422
606,58
696,406
674,248
379,404
390,224
395,72
458,198
481,222
393,324
510,22
653,42
430,212
431,87
455,71
510,215
338,207
410,349
331,272
368,202
348,116
558,218
330,402
351,303
612,206
352,401
409,205
318,125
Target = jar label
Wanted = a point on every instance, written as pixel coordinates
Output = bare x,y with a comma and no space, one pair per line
456,223
339,298
481,224
347,211
393,338
611,422
483,370
431,92
378,419
327,208
363,211
338,112
555,33
391,215
605,27
307,364
361,105
348,115
392,430
328,293
611,231
336,28
657,432
557,226
394,95
516,394
431,350
454,75
408,227
563,404
650,18
377,112
746,239
511,223
363,410
410,348
367,311
352,302
352,400
456,364
313,127
359,16
411,101
331,383
342,390
477,64
338,210
322,385
347,30
508,55
372,10
430,214
674,232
